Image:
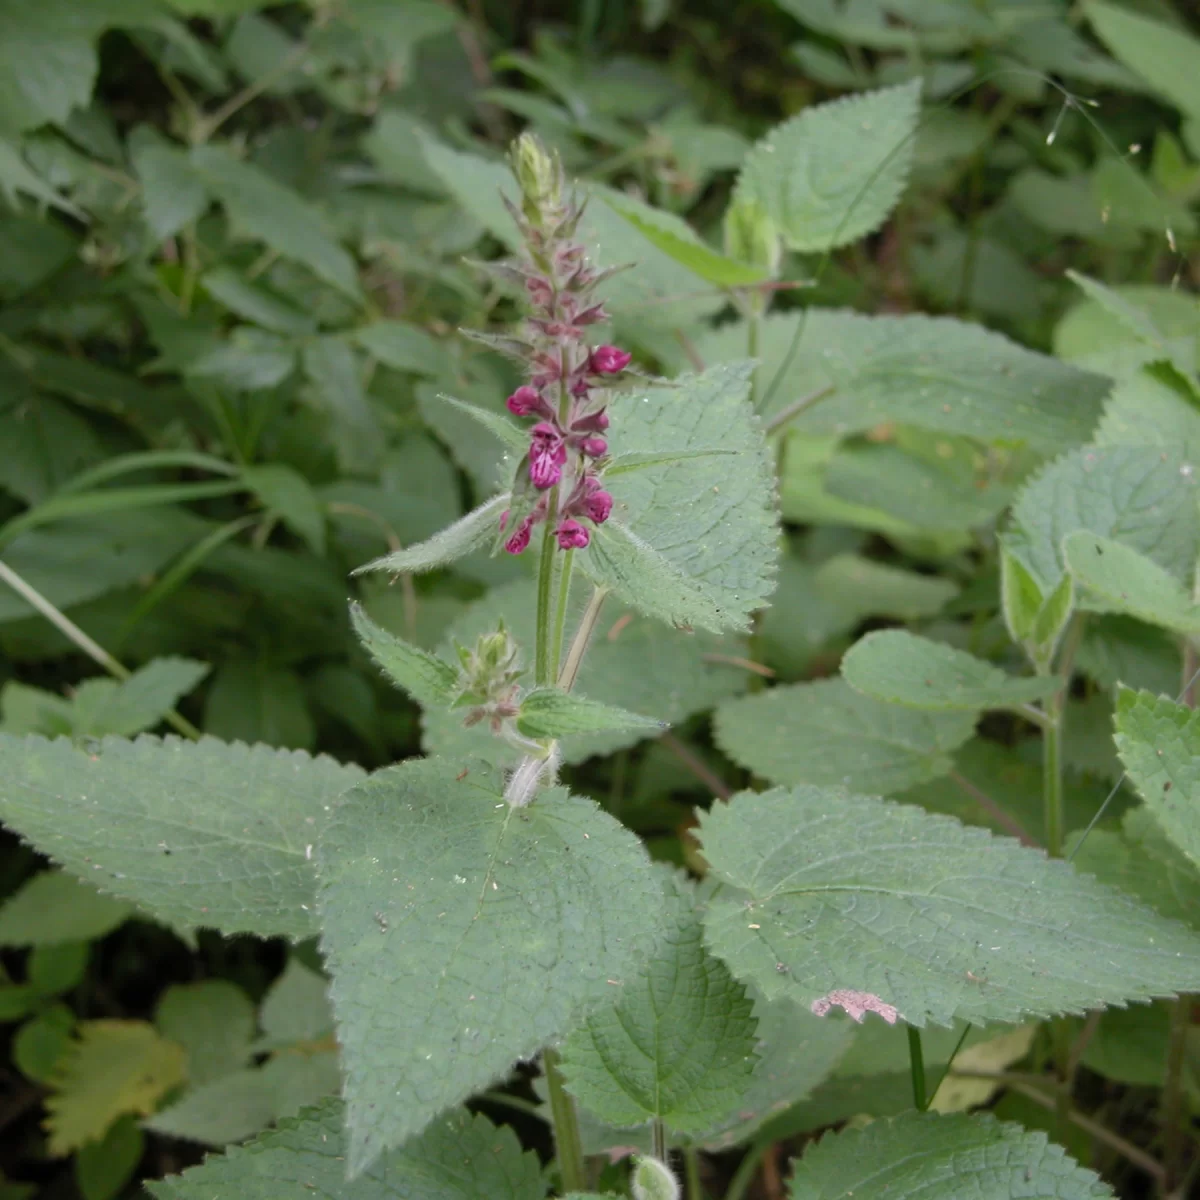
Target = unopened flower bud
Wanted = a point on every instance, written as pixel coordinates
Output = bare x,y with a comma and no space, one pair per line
594,447
523,401
751,237
571,535
519,542
609,360
539,174
654,1180
598,506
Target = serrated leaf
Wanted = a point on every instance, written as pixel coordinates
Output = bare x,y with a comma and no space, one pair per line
197,833
550,713
52,907
711,518
173,192
1020,597
213,1020
57,968
425,677
1141,496
941,1158
469,533
1152,407
901,668
253,302
46,443
833,173
104,706
678,1044
637,460
828,734
283,491
1136,320
932,373
1118,579
459,1157
435,889
333,370
510,436
833,896
1159,743
111,1068
39,1045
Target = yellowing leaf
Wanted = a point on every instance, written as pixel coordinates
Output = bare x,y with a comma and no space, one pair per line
957,1093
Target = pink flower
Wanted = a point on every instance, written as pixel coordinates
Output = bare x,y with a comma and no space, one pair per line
598,505
547,453
572,535
519,540
609,360
523,401
593,447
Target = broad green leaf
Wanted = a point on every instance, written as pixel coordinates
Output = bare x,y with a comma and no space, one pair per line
639,460
901,668
1117,579
1136,320
1159,743
18,178
58,968
678,1043
826,733
103,1169
288,495
435,889
296,1007
333,370
820,883
101,707
252,700
1141,496
174,193
427,678
198,834
46,443
875,589
1020,597
213,1020
1131,1045
550,713
253,302
1118,649
1165,56
940,1157
269,212
510,436
472,532
459,1157
39,1045
833,173
403,347
633,662
52,907
710,518
931,373
111,1068
1153,406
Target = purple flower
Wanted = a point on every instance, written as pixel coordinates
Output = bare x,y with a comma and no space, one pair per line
524,401
609,360
593,447
598,504
519,540
572,535
547,454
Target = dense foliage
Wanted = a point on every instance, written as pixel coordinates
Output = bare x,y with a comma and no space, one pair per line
599,599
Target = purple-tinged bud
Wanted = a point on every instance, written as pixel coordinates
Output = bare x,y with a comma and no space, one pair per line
519,542
598,506
609,360
547,453
589,316
595,422
539,291
594,447
572,536
524,401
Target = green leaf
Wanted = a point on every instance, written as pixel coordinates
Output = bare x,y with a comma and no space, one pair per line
550,713
46,443
1118,579
678,1043
286,493
469,533
1165,56
296,1007
1159,743
931,373
435,889
213,1021
826,733
1136,320
252,700
1141,496
199,834
459,1157
57,968
851,901
710,519
1052,620
833,173
112,1068
253,302
902,668
940,1158
52,907
269,212
1020,597
427,678
403,347
102,706
17,177
1152,406
39,1045
174,193
510,436
333,370
103,1168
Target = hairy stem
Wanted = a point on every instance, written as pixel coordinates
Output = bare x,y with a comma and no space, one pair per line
916,1060
545,589
658,1139
583,635
560,616
568,1144
691,1167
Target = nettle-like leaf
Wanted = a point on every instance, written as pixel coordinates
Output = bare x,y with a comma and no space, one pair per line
710,520
1159,743
1115,578
213,1020
856,902
932,373
833,173
678,1044
827,733
551,713
459,1157
901,668
200,834
1142,496
938,1157
472,532
53,907
1152,407
497,926
632,662
427,678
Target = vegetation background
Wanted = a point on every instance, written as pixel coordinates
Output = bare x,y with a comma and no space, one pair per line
232,246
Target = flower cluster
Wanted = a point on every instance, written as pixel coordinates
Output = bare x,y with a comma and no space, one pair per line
566,393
